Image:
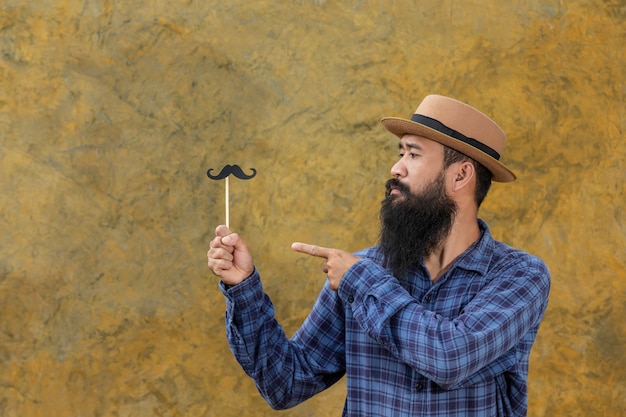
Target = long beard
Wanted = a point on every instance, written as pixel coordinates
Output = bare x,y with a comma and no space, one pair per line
414,225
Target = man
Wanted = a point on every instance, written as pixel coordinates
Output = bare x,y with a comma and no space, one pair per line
438,319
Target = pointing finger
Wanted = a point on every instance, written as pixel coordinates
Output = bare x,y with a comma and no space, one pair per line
313,250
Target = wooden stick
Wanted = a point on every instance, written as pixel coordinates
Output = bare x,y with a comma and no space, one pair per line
224,174
227,205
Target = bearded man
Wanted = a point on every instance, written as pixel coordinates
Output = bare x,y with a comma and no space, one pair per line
438,319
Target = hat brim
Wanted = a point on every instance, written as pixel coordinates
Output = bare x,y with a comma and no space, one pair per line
400,127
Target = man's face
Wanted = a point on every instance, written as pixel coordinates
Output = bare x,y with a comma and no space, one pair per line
414,223
420,162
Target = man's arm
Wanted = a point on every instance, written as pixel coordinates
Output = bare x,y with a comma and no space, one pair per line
286,372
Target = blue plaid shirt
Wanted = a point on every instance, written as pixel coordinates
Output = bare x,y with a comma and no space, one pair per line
456,347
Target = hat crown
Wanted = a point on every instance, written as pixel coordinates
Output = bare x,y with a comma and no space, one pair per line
464,119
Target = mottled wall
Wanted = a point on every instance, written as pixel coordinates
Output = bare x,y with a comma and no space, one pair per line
111,112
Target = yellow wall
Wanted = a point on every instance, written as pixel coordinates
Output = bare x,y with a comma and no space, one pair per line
111,112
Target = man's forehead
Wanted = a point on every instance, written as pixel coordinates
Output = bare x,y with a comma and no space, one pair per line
418,142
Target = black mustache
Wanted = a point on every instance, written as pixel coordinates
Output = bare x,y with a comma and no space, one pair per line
231,169
395,183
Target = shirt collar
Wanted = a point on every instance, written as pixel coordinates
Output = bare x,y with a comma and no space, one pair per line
478,256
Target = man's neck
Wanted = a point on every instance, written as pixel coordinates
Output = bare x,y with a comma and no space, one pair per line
463,234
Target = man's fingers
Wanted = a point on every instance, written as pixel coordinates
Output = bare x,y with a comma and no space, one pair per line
313,250
224,237
219,252
220,265
222,230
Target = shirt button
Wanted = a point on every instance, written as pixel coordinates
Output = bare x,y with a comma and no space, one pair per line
350,298
419,387
428,298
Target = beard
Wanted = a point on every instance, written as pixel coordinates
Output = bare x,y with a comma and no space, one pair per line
414,225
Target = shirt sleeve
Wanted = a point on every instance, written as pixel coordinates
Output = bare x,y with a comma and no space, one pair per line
450,350
286,371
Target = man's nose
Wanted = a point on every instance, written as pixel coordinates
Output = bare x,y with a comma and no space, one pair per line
398,170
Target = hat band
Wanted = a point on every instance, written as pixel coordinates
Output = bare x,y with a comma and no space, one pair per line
440,127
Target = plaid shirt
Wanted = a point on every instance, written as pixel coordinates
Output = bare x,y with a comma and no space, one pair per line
456,347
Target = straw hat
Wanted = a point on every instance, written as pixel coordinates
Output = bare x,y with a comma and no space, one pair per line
459,126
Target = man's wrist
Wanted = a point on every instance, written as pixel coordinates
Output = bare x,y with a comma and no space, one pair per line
229,286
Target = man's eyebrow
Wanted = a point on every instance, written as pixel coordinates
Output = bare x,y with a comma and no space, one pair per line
410,145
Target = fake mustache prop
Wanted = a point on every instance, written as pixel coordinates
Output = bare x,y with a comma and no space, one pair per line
231,169
224,174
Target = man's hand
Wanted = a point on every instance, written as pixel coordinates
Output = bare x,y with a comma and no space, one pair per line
337,261
229,257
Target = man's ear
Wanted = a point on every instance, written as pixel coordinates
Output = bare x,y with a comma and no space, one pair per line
463,172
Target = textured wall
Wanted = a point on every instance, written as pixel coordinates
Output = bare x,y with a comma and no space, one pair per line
111,112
